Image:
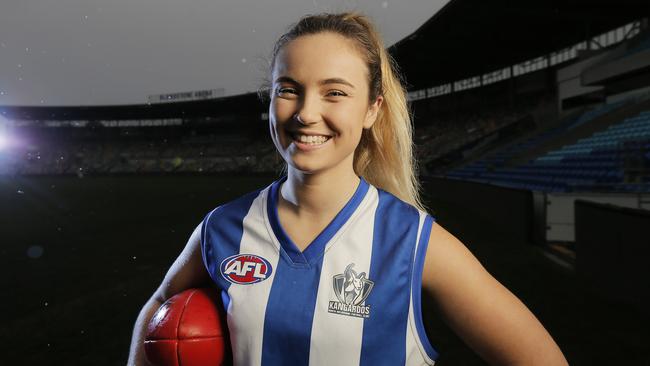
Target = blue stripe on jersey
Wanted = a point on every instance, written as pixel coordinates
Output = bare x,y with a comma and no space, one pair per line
316,248
290,308
221,236
417,286
395,234
290,313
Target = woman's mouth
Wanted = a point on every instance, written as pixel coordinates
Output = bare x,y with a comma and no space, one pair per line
310,139
309,142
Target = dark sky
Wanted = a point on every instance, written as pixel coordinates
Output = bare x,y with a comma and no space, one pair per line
93,52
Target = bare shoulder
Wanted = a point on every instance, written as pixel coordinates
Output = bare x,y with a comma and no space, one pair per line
447,255
485,314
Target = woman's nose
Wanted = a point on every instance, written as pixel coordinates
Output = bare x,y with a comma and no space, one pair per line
300,118
308,113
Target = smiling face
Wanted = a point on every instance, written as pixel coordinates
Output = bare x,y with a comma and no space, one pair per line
320,102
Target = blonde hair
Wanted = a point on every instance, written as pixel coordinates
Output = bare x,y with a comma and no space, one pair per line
385,155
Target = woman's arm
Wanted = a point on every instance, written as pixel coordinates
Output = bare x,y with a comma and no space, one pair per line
187,272
488,317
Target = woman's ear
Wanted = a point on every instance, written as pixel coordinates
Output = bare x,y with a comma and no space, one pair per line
373,111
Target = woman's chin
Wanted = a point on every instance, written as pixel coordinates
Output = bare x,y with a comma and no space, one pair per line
304,168
313,164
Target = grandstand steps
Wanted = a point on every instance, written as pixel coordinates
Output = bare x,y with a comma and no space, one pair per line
509,150
493,143
617,158
533,139
491,151
502,156
587,129
509,153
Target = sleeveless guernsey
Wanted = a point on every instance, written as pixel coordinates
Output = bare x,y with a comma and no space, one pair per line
352,297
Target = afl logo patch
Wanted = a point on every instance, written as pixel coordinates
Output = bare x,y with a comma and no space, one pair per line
245,269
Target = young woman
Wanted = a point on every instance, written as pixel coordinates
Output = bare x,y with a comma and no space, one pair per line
326,265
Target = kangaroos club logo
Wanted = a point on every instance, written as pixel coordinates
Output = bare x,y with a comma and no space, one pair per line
351,290
245,269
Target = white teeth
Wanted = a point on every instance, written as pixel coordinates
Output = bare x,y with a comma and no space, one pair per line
313,140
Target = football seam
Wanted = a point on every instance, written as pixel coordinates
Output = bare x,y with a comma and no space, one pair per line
178,326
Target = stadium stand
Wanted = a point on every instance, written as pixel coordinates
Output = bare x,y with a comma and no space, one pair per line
597,139
197,137
187,153
616,159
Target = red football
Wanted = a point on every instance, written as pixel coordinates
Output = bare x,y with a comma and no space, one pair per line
188,329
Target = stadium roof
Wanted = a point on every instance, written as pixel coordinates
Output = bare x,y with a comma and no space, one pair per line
465,38
242,105
468,37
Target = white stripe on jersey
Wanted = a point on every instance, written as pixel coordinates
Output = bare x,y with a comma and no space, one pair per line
413,340
247,319
336,339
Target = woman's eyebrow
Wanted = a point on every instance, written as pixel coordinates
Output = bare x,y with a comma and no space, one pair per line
287,79
336,81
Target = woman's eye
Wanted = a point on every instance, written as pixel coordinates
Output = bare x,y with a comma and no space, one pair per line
336,93
285,90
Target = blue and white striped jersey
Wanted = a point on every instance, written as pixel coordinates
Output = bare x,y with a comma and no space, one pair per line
352,297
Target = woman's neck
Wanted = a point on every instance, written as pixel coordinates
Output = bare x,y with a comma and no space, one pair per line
317,195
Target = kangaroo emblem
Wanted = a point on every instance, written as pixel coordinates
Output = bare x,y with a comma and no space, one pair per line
352,288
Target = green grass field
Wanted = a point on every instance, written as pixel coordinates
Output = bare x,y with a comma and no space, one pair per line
79,257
